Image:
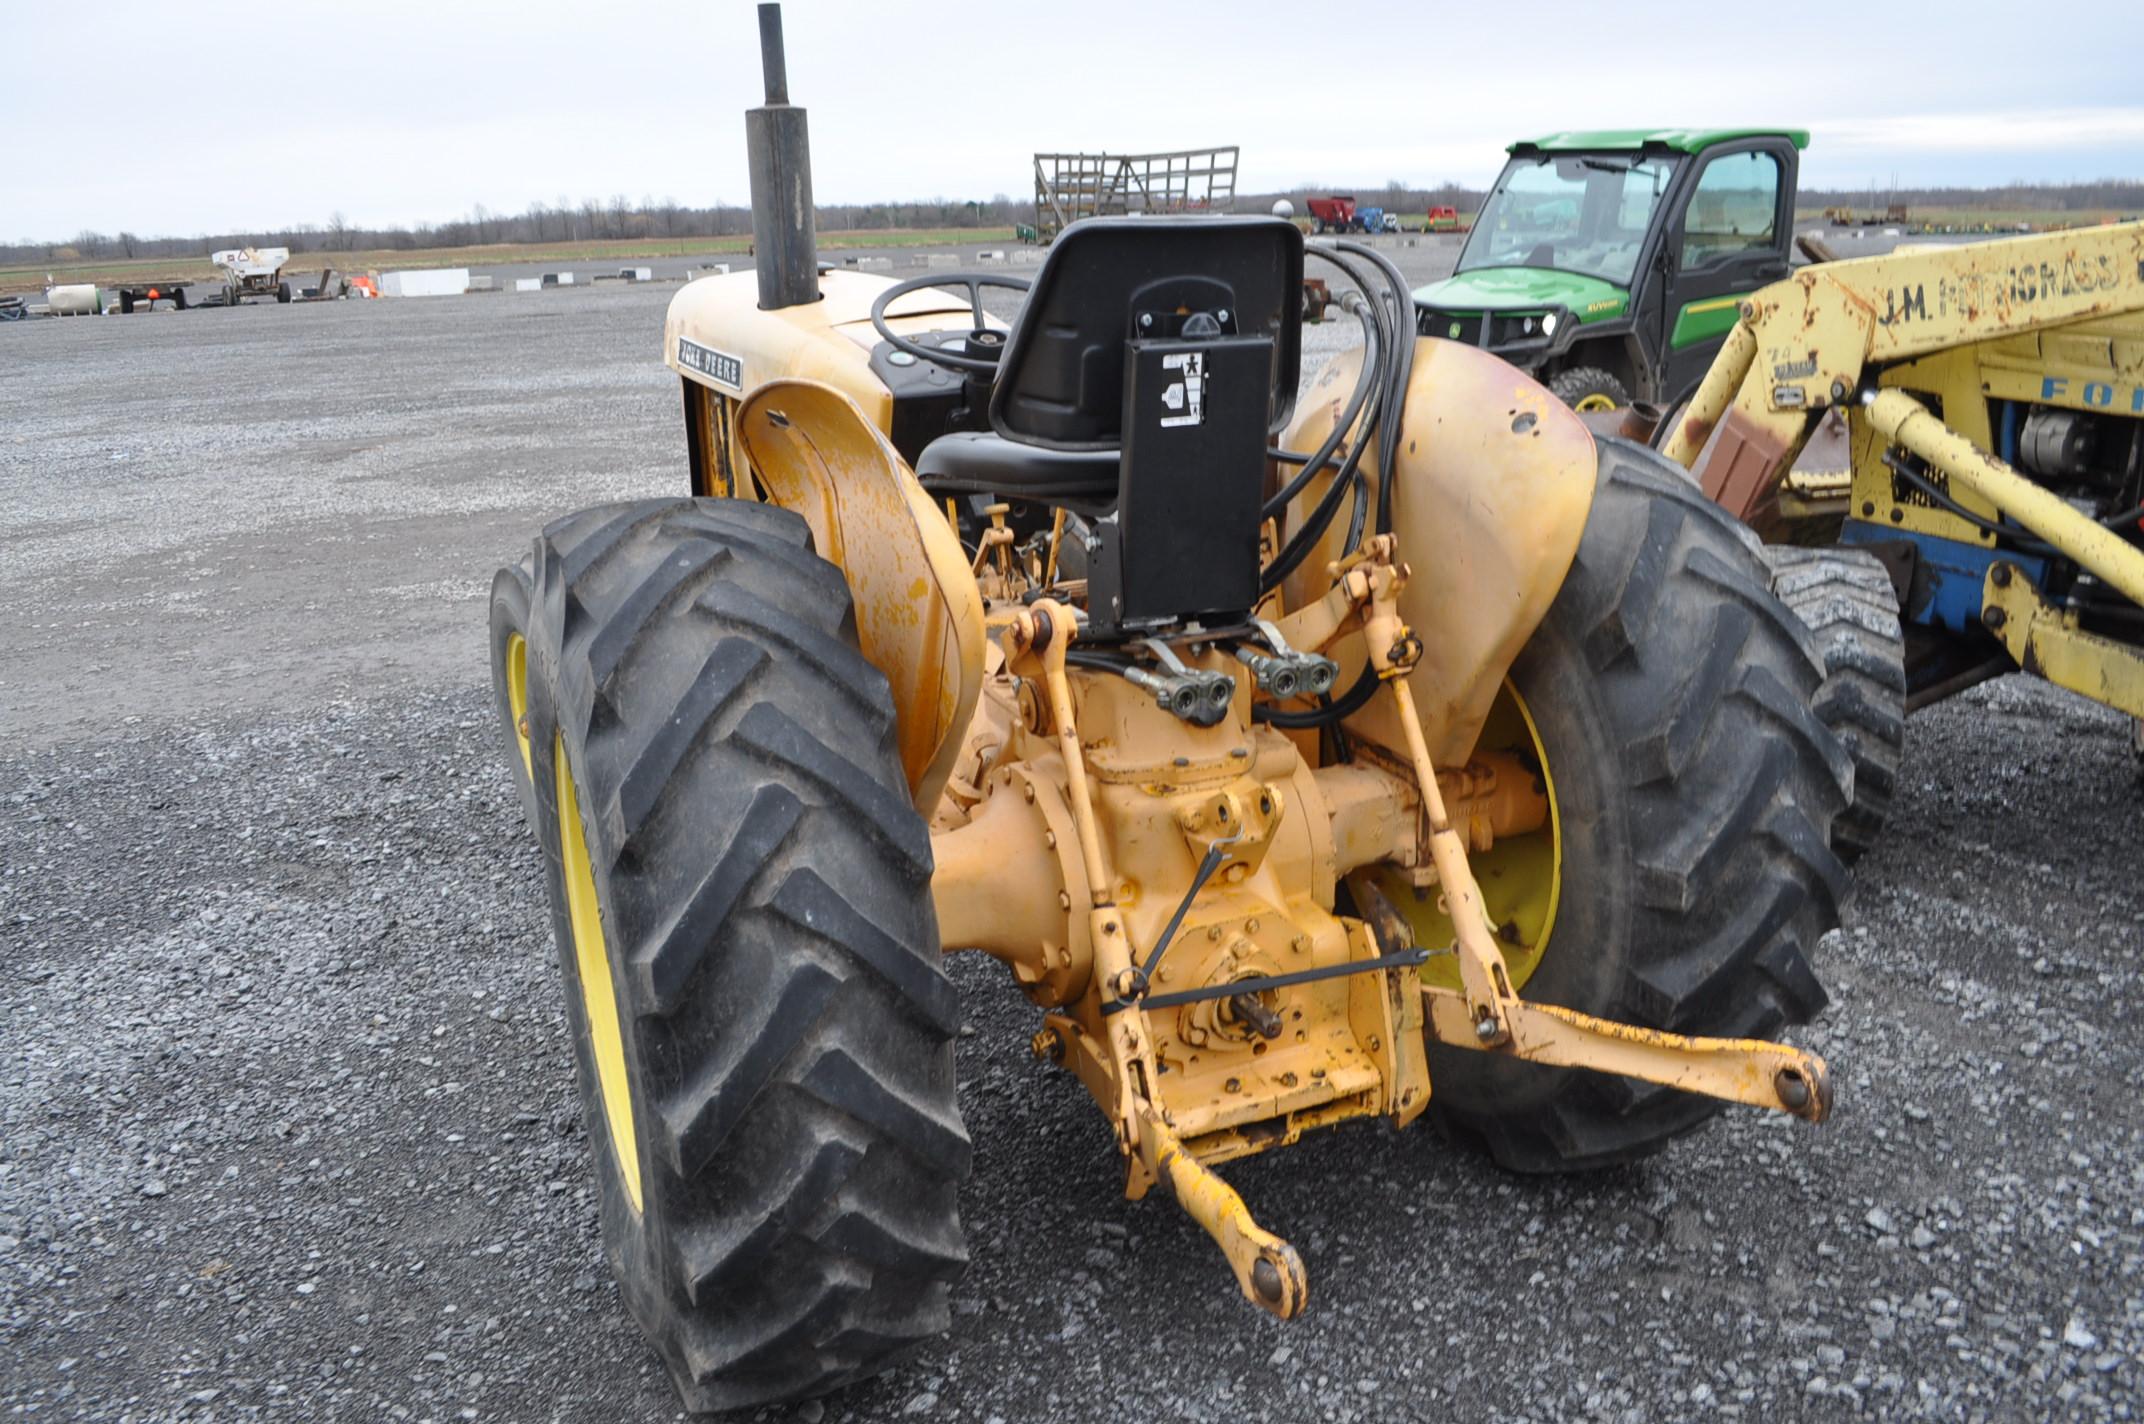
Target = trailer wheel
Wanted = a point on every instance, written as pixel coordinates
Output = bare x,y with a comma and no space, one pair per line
282,292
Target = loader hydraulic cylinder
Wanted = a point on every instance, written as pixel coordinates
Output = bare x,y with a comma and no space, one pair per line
1908,423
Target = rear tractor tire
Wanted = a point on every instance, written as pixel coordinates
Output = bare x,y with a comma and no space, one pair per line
1588,388
1846,599
1693,787
740,886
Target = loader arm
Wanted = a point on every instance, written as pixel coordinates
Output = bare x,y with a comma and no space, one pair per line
1811,342
1918,349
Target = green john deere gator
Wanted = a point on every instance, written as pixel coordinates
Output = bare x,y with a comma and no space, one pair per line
1609,265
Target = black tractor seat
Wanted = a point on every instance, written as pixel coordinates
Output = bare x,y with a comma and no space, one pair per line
978,462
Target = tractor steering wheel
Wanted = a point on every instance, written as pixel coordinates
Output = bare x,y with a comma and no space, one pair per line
983,346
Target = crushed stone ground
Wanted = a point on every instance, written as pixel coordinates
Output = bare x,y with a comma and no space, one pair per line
287,1126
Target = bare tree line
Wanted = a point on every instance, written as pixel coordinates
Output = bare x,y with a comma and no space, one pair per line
2120,194
622,219
561,220
2123,194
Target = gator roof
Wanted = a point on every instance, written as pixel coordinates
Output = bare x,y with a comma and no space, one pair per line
1682,140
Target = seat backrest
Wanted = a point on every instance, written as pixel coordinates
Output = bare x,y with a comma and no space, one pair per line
1109,281
1175,343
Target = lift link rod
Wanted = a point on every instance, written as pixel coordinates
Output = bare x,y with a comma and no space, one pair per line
1047,632
1486,1013
1267,1268
1393,652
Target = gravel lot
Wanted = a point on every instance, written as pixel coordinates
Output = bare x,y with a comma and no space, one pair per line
287,1126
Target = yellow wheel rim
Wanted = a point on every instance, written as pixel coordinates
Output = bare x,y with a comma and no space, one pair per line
1596,401
1521,877
591,963
517,697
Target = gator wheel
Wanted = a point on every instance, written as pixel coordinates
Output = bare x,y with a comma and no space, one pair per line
741,890
1588,388
1693,787
1846,599
512,590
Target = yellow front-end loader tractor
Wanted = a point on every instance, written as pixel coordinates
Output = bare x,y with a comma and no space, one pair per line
1991,515
1380,749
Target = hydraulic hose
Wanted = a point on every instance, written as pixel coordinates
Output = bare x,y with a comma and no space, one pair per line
1377,379
1313,463
1392,408
1375,344
1391,313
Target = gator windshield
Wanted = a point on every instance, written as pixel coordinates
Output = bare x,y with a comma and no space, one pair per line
1585,213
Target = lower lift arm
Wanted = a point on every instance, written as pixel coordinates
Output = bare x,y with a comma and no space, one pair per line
1485,1013
1267,1268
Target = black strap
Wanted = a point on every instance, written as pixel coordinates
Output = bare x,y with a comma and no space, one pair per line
1404,959
1215,854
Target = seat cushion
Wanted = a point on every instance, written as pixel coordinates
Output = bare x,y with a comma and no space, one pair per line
977,462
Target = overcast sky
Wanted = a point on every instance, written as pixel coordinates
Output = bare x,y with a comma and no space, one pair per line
182,116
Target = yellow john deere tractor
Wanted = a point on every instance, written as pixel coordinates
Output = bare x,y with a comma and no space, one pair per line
1386,748
1991,519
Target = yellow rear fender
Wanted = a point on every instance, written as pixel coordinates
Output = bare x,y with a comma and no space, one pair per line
1490,497
919,615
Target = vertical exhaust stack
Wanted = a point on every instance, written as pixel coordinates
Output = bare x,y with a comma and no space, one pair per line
784,246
